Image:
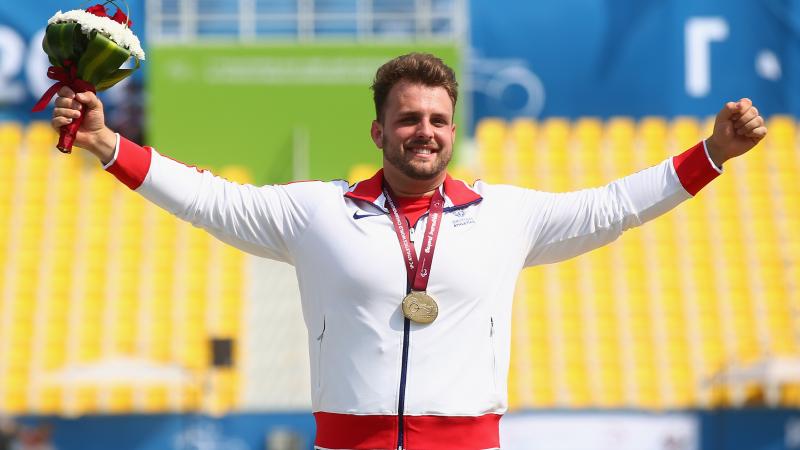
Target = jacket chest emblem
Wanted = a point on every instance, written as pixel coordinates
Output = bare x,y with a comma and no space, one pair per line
462,218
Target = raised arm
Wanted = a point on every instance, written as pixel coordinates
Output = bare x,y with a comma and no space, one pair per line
260,220
569,224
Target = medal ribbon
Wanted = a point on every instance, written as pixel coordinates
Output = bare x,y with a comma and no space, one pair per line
418,269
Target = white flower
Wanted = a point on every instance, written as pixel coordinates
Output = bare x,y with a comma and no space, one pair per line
117,32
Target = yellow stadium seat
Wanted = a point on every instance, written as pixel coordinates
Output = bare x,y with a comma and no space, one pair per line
685,131
782,125
556,133
156,399
50,400
620,136
491,131
237,173
707,127
41,137
194,357
224,390
121,400
10,136
543,393
588,130
14,402
10,149
523,133
653,128
790,395
653,132
66,202
190,398
464,173
85,400
361,172
611,394
588,151
621,130
53,358
492,166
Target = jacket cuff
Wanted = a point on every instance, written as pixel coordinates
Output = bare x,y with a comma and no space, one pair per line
131,163
694,168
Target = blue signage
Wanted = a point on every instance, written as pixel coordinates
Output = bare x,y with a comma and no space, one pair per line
632,57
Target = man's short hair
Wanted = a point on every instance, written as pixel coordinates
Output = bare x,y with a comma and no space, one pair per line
422,68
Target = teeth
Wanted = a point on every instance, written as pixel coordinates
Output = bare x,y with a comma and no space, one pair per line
422,151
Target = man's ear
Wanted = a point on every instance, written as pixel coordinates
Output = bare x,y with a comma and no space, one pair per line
377,133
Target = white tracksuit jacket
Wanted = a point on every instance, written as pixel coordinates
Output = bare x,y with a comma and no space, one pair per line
379,381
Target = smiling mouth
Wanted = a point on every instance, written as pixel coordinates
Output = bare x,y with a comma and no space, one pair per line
424,150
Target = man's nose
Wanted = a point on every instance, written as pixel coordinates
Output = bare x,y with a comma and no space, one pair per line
425,130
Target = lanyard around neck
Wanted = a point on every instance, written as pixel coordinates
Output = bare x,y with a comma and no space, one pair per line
418,269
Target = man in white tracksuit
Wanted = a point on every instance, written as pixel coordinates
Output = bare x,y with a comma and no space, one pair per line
407,278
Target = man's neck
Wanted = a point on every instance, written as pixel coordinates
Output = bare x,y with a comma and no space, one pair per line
403,186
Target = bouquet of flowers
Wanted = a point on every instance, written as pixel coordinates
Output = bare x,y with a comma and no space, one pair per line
86,50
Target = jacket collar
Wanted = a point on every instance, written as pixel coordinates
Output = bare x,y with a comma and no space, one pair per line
457,194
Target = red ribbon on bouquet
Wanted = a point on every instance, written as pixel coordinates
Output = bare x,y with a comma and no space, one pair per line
65,76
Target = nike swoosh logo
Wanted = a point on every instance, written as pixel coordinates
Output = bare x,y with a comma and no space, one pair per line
357,216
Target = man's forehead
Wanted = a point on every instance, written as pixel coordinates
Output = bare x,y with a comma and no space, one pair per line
410,96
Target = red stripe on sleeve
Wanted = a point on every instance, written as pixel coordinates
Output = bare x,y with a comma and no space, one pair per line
132,163
694,169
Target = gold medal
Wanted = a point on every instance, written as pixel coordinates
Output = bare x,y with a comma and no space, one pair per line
420,307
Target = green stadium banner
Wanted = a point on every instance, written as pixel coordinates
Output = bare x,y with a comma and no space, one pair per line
284,111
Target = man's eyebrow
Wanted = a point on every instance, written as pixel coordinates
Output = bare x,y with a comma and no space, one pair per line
408,115
415,113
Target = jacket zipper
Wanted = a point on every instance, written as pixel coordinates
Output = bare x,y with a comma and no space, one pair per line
401,401
404,369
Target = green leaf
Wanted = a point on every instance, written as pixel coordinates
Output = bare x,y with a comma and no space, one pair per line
63,41
117,76
113,79
101,59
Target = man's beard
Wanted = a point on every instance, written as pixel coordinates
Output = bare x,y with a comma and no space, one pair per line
397,159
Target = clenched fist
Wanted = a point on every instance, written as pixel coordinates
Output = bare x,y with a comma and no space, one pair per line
93,135
737,128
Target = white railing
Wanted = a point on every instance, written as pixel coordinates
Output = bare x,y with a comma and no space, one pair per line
306,20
